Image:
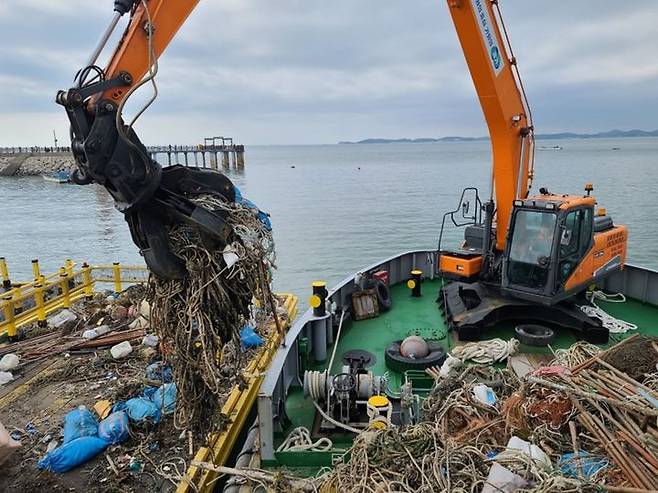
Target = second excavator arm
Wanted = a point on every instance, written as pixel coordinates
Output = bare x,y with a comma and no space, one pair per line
108,152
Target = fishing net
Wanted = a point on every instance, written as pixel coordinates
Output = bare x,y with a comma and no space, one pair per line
198,318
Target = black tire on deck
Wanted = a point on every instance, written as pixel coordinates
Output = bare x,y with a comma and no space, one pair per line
534,334
383,296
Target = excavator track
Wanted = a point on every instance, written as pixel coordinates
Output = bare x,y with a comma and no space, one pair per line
470,308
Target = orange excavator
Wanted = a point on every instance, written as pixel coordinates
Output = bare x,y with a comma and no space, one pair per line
525,256
107,150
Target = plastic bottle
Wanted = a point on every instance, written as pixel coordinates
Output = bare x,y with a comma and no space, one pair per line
96,331
121,350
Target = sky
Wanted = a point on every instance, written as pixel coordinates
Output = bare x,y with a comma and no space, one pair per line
317,72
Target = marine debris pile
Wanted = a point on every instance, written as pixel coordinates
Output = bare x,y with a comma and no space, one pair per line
199,318
586,421
580,423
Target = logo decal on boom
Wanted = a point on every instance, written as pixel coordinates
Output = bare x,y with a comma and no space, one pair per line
488,35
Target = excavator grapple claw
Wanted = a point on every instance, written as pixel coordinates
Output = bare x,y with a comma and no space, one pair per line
170,205
152,199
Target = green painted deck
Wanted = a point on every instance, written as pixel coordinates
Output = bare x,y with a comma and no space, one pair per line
421,316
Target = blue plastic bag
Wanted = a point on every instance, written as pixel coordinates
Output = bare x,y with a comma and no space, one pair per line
249,338
263,217
79,423
114,429
160,372
165,398
140,409
590,465
72,454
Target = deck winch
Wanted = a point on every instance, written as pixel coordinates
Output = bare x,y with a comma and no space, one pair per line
345,394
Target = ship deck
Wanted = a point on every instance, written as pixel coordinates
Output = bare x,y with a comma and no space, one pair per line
421,316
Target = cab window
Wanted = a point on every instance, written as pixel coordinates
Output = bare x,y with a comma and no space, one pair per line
575,240
533,236
570,239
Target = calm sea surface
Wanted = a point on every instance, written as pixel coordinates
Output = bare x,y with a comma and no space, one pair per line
340,207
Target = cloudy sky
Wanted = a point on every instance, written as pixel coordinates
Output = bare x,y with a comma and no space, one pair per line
312,72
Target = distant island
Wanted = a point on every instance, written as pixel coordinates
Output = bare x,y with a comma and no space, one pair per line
610,134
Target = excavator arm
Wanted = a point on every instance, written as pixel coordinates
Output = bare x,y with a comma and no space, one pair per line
493,69
108,152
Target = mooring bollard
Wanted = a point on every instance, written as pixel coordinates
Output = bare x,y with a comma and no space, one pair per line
414,283
318,298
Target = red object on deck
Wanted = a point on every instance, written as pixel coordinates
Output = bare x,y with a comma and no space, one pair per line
382,275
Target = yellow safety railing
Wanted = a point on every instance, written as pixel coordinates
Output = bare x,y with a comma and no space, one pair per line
22,304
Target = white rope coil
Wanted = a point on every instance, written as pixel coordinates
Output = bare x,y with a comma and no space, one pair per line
317,382
485,352
614,325
299,440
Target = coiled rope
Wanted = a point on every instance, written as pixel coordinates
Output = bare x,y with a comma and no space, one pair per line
614,325
299,440
486,352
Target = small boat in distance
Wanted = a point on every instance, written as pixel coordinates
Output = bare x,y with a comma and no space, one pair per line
550,148
61,176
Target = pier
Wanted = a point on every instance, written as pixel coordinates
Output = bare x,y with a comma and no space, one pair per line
210,154
203,155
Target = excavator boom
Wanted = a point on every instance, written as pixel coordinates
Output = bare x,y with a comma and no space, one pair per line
503,103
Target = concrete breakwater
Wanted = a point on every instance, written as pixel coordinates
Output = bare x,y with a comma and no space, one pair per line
35,164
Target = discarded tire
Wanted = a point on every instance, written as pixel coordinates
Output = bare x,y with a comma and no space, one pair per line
396,362
534,335
383,296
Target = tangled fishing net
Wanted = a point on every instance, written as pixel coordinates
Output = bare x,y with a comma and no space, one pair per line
199,317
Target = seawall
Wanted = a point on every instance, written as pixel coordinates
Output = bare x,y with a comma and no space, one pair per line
35,164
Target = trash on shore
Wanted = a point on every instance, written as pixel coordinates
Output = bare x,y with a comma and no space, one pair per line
60,370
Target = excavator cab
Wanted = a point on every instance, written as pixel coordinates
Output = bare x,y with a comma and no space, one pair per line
557,246
545,245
